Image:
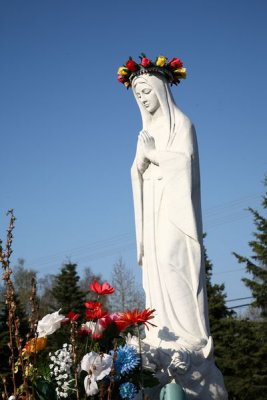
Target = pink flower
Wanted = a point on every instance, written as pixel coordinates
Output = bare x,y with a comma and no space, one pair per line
145,62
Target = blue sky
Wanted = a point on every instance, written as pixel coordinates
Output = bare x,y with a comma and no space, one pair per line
68,129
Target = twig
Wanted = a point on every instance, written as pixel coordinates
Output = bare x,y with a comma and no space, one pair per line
10,297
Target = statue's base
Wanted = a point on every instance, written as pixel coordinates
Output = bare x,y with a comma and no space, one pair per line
191,367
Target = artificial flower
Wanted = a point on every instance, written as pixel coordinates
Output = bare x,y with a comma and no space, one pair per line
92,305
174,69
49,324
145,62
123,71
94,310
72,316
122,78
95,329
34,345
135,317
147,353
101,289
128,390
90,386
121,324
161,61
181,72
126,359
175,63
60,370
131,65
97,365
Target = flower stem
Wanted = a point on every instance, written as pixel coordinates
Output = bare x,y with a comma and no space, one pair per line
141,363
73,334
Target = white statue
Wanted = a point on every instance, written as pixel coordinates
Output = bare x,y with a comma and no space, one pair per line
166,190
165,178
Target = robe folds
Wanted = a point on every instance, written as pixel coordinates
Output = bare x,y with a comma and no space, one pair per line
169,239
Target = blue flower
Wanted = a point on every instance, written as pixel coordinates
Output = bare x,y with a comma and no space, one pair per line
128,391
126,359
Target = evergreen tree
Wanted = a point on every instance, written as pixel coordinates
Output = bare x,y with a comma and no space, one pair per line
256,265
240,345
243,363
218,315
87,278
216,295
66,290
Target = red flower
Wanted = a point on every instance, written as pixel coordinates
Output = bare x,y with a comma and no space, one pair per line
94,329
131,65
101,289
71,316
122,78
135,317
145,62
94,310
175,63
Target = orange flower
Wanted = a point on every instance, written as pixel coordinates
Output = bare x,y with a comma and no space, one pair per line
101,289
135,317
34,345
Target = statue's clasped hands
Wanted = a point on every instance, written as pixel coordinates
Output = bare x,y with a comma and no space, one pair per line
147,144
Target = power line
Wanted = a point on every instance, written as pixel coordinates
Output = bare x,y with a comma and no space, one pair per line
125,241
240,298
242,305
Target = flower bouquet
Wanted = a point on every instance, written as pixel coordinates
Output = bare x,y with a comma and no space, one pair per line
74,356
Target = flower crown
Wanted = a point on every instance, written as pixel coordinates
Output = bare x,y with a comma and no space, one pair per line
172,70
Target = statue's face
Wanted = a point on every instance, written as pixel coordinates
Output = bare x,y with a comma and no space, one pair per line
147,96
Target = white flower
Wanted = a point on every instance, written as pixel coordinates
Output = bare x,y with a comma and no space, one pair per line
89,326
97,365
90,386
94,328
49,324
61,370
12,397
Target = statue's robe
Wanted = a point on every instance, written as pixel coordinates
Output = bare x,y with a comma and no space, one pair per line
169,239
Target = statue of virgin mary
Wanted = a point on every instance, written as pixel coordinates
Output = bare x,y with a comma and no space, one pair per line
166,191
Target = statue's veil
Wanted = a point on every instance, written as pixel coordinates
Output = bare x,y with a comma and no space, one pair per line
161,87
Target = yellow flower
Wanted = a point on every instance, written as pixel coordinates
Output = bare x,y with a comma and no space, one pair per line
29,370
123,71
34,345
181,72
161,61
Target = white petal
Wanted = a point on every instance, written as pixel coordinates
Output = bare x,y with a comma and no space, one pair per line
90,386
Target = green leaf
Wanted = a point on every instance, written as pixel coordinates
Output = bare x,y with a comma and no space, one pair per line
44,390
